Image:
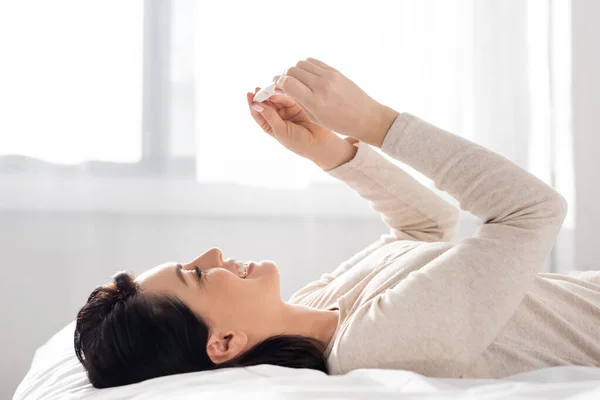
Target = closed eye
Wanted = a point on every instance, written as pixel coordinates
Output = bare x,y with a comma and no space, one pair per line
198,273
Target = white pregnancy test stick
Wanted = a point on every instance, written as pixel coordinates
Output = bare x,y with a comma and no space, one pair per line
264,93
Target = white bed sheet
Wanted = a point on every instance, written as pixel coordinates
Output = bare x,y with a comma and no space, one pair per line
55,373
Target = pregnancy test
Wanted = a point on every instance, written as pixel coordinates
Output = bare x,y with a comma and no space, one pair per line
264,93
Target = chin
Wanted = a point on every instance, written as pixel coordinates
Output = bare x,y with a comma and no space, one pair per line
268,264
269,267
267,270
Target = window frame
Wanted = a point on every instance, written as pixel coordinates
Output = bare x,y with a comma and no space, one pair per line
156,160
159,183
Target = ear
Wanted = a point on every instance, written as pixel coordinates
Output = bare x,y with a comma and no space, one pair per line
225,346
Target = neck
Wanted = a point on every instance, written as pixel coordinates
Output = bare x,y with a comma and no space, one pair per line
312,322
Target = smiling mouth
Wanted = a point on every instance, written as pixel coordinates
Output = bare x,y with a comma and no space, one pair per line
243,269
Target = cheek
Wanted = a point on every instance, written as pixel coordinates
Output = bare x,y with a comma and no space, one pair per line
212,305
222,290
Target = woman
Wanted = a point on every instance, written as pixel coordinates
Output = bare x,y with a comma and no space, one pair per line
412,300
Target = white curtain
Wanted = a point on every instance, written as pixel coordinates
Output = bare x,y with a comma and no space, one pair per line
412,55
79,86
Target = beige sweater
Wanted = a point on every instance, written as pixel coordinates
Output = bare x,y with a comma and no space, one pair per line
477,308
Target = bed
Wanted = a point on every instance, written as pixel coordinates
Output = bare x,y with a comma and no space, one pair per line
55,373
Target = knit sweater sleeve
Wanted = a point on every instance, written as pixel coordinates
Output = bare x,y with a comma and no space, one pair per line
410,210
446,313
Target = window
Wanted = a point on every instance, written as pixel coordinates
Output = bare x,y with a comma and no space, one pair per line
157,87
71,82
93,87
398,51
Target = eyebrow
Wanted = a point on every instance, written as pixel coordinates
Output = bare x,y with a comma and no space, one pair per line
178,269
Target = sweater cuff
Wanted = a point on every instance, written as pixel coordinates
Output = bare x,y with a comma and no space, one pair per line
392,140
365,155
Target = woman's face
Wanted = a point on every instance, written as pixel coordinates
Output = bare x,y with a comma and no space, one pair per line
221,291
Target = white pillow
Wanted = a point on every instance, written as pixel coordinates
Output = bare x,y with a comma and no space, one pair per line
54,369
56,373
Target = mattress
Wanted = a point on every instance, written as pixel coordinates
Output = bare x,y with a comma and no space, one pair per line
55,373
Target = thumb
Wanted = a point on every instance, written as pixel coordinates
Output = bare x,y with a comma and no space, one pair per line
271,116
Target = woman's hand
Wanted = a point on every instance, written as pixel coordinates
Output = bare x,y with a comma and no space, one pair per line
283,119
335,102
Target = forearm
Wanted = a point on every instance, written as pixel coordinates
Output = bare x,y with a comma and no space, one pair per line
334,153
485,183
410,209
379,121
339,151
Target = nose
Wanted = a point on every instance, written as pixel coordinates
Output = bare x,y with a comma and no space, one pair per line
209,259
215,254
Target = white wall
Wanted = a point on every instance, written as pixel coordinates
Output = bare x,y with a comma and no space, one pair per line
586,132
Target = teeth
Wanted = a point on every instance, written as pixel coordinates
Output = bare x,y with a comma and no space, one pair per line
242,269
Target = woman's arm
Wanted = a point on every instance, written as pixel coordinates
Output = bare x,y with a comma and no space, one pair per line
447,313
411,210
443,316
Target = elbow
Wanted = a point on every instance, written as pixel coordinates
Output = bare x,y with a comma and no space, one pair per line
562,207
546,217
556,209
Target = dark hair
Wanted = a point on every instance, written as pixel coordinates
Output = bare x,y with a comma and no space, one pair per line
123,336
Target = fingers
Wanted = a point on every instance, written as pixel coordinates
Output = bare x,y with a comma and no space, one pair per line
304,76
308,67
266,114
256,114
298,81
312,68
274,104
318,63
272,117
250,96
293,87
282,100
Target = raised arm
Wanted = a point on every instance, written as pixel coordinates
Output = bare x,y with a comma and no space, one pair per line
446,313
450,310
411,210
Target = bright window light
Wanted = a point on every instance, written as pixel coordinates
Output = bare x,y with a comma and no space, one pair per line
410,55
70,79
